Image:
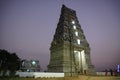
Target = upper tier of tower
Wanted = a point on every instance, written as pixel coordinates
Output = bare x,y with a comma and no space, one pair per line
68,28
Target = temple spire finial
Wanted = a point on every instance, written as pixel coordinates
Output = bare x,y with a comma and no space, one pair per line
62,1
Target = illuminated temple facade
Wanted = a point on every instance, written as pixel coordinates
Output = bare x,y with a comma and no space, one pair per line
70,51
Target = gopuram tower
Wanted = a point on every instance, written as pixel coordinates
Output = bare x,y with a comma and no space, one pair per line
70,51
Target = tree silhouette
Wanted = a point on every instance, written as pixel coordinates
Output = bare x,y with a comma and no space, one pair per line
9,62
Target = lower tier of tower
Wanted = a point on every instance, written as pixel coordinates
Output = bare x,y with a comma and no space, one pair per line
70,59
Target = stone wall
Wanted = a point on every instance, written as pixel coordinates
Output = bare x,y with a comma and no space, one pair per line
39,74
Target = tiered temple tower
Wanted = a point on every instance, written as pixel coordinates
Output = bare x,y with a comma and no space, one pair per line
70,51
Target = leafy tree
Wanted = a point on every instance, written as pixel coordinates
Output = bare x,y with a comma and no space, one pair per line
9,62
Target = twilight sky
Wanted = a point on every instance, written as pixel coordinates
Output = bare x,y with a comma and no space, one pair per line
27,28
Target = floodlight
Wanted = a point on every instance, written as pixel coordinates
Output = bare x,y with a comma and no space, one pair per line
33,62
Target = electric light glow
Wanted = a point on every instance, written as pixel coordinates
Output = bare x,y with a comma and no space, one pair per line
28,70
33,62
76,33
74,27
73,22
78,41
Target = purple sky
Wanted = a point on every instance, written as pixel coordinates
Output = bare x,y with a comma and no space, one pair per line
27,28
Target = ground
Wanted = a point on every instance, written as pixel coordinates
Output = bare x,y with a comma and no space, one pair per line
69,78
